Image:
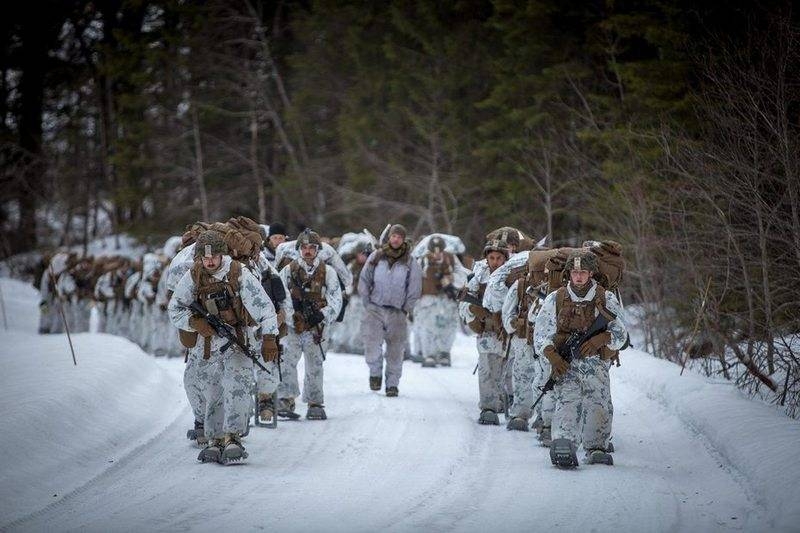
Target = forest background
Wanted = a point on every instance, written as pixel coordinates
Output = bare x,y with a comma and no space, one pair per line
669,126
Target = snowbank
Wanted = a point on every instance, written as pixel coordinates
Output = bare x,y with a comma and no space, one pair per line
64,425
756,439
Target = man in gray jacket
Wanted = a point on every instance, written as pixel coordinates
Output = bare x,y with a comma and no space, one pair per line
389,285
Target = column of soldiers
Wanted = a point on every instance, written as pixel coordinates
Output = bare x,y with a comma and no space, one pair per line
263,302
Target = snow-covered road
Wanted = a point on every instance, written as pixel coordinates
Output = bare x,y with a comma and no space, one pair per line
417,462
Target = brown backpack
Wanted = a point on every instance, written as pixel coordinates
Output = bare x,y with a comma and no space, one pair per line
610,262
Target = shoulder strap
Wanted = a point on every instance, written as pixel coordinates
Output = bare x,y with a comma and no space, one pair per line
234,273
561,295
600,303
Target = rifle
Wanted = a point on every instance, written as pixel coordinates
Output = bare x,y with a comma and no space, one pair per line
226,332
311,314
571,349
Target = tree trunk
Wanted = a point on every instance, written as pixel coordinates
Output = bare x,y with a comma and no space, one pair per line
199,171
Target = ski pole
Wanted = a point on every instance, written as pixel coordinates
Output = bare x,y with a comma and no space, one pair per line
61,312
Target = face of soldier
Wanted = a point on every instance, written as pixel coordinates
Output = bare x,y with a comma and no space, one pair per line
495,260
212,263
579,278
308,252
395,240
361,258
275,240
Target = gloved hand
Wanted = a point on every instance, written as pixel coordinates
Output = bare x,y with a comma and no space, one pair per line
201,326
593,345
316,318
297,321
558,364
269,348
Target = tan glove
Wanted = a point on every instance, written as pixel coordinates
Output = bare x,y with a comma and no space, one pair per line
480,312
297,321
558,364
201,326
593,345
269,348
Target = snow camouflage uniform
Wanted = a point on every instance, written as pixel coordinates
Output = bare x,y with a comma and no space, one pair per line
436,312
50,318
491,380
389,285
529,371
75,289
268,382
317,284
220,385
582,396
346,335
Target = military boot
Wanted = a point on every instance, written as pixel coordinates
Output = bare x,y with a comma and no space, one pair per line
212,453
392,392
517,423
233,450
488,418
197,434
375,382
265,408
316,411
545,437
443,359
429,362
598,456
286,408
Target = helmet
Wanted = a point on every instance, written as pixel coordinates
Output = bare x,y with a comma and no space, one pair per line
307,237
436,244
507,234
581,260
496,245
209,243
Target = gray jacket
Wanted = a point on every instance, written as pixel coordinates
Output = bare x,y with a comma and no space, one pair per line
399,286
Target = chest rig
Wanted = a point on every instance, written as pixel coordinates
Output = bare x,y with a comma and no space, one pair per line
574,317
307,292
221,298
437,274
492,322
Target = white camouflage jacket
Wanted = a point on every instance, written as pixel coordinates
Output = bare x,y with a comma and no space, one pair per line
332,292
545,321
253,297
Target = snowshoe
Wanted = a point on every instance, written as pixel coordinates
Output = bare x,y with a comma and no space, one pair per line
428,362
286,409
562,453
211,453
375,382
598,456
392,392
316,412
545,437
517,423
488,418
443,359
233,452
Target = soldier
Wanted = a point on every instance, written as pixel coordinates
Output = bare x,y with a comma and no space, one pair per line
582,391
316,299
389,285
230,292
490,333
347,334
275,236
528,368
436,313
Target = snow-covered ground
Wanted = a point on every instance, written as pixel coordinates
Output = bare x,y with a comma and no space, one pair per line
101,447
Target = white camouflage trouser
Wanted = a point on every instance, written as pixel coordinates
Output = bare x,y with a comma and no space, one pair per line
192,384
384,324
583,409
226,384
530,373
346,335
437,319
491,379
294,346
